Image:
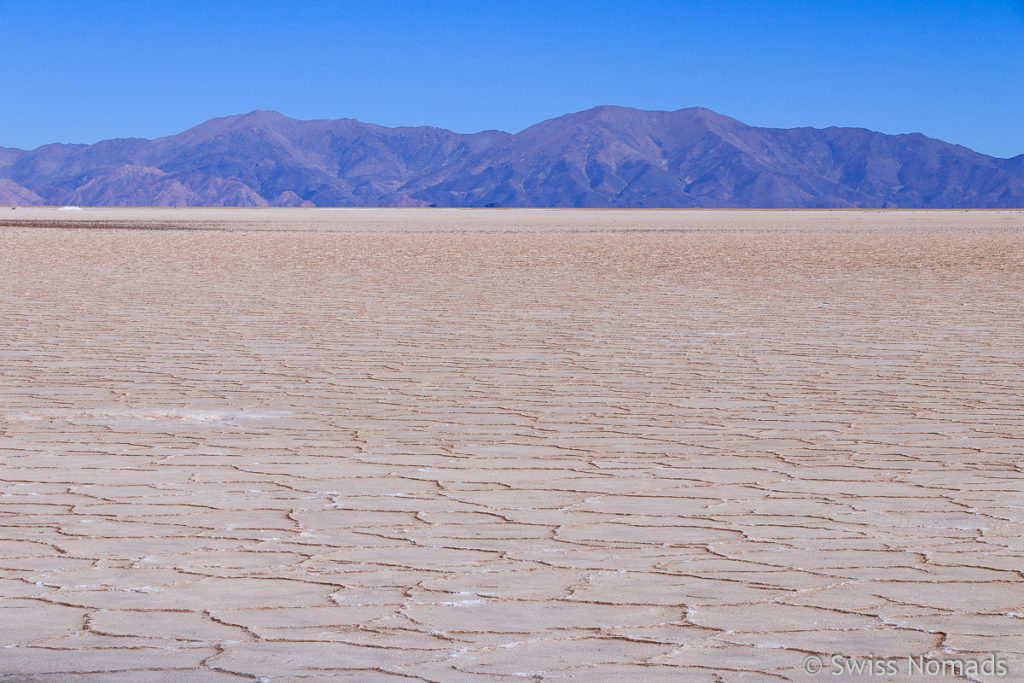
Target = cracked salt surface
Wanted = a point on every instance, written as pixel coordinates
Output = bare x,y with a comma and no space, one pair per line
485,445
167,415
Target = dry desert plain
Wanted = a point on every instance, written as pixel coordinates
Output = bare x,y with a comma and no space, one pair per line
508,445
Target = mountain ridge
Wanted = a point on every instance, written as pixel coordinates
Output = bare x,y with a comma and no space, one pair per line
606,156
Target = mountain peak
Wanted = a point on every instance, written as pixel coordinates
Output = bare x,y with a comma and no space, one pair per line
261,117
258,118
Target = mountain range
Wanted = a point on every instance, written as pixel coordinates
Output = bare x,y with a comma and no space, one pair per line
602,157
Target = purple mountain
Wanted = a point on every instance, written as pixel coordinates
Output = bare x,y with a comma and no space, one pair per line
602,157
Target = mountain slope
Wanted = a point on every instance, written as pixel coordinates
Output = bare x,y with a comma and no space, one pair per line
602,157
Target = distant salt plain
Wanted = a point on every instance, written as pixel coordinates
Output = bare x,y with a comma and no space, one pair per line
507,445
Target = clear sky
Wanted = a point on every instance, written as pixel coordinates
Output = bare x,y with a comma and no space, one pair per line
81,71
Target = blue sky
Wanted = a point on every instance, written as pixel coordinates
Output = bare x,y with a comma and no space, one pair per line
84,71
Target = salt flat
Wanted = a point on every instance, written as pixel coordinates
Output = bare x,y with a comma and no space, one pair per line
476,445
